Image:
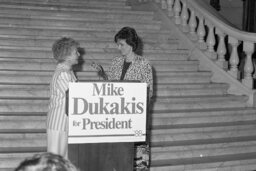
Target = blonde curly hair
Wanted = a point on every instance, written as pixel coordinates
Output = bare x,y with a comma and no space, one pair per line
63,47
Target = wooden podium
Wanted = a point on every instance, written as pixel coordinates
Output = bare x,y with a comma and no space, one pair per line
102,156
112,148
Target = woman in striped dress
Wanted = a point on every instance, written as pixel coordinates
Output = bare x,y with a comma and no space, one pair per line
66,54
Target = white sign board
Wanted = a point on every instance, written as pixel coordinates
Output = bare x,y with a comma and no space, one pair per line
107,112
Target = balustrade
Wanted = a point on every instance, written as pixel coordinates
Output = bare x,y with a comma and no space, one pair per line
219,43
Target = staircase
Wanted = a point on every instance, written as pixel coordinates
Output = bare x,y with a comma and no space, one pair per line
196,125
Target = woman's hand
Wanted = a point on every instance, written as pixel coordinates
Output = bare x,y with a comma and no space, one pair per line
100,70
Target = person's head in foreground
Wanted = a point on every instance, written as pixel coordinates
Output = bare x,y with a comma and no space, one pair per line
46,162
65,50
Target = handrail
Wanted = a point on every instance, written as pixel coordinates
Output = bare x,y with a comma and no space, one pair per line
224,26
209,9
218,41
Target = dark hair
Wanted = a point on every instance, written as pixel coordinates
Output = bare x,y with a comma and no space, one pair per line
129,35
63,48
46,162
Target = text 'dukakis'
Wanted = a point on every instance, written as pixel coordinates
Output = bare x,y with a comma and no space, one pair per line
107,112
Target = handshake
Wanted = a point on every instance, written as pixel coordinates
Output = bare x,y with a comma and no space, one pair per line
100,70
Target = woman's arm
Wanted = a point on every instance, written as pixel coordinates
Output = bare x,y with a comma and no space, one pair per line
100,70
147,76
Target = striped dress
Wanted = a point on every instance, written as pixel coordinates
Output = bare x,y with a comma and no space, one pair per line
56,117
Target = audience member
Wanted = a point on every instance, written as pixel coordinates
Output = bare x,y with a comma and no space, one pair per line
46,162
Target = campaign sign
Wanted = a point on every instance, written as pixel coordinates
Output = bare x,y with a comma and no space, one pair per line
107,112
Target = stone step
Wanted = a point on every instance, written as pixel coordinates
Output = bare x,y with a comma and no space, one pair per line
37,98
235,165
29,142
93,35
50,66
241,162
12,124
18,118
66,7
160,87
191,86
76,25
35,91
67,10
203,134
88,38
9,161
46,51
162,113
20,124
175,105
30,55
182,77
206,150
33,15
196,98
173,44
73,5
168,122
22,114
89,13
215,89
171,140
210,103
64,31
180,136
34,77
64,3
104,61
200,130
178,116
201,112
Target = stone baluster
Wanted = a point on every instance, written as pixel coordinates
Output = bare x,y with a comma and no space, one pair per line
170,7
192,25
234,59
221,50
201,34
211,42
163,4
177,10
184,17
254,66
248,68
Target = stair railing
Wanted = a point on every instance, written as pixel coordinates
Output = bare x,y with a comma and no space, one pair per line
220,40
230,48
